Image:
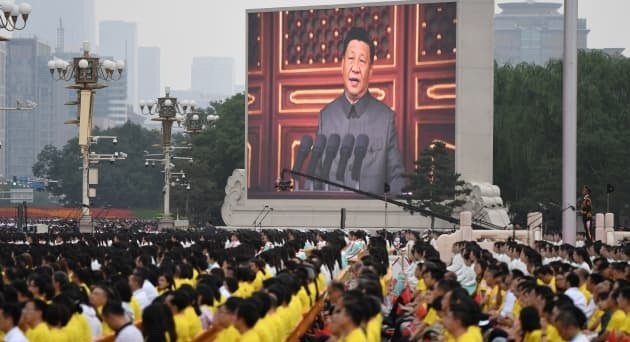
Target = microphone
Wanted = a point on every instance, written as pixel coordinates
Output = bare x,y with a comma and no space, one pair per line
331,153
360,150
344,154
316,155
305,148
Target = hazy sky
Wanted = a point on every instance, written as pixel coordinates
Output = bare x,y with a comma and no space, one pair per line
184,29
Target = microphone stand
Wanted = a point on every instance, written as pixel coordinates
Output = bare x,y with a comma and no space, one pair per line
259,213
268,210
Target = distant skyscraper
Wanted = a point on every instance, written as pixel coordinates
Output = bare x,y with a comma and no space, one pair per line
27,132
78,18
110,103
531,32
119,39
148,73
213,76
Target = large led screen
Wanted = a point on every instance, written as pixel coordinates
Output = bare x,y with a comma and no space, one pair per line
350,95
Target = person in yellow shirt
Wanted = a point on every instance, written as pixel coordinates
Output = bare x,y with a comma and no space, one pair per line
185,324
224,320
348,316
192,311
282,314
258,267
157,323
247,315
546,277
623,302
33,316
165,283
531,328
461,316
266,326
57,317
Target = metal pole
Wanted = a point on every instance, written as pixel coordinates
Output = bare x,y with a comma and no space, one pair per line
569,121
85,221
167,185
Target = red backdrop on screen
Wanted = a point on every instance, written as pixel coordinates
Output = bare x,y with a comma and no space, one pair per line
294,62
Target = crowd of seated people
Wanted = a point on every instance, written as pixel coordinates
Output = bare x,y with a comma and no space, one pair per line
245,285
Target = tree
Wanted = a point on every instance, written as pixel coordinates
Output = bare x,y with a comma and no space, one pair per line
217,151
434,185
528,134
125,183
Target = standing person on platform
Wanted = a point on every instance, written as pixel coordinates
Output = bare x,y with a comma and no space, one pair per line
587,213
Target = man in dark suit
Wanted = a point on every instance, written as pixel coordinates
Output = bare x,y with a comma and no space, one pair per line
357,112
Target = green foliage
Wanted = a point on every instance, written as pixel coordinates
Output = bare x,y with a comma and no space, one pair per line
434,184
528,134
124,183
217,151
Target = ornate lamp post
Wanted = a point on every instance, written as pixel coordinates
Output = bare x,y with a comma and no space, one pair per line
86,71
10,21
167,110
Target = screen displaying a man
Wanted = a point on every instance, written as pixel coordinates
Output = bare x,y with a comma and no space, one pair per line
365,125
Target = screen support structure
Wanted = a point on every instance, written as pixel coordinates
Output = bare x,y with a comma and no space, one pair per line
406,206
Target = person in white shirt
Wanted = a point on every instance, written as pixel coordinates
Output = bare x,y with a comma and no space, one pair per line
135,284
9,318
573,292
569,323
114,316
458,260
149,290
234,242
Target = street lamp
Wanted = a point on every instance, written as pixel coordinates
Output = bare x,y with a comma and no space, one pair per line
167,110
86,71
12,13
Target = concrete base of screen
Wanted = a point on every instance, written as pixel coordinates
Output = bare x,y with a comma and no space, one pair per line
239,211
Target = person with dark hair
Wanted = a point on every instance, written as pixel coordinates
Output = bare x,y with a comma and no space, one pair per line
247,315
461,316
57,316
59,281
573,292
530,324
569,322
135,282
114,315
165,283
33,318
224,320
9,318
348,316
158,324
357,112
178,301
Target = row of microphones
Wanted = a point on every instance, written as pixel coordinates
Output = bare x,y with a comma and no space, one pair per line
324,150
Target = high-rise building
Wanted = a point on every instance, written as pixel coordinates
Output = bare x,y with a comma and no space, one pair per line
111,103
213,76
532,32
27,132
148,73
78,18
119,39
